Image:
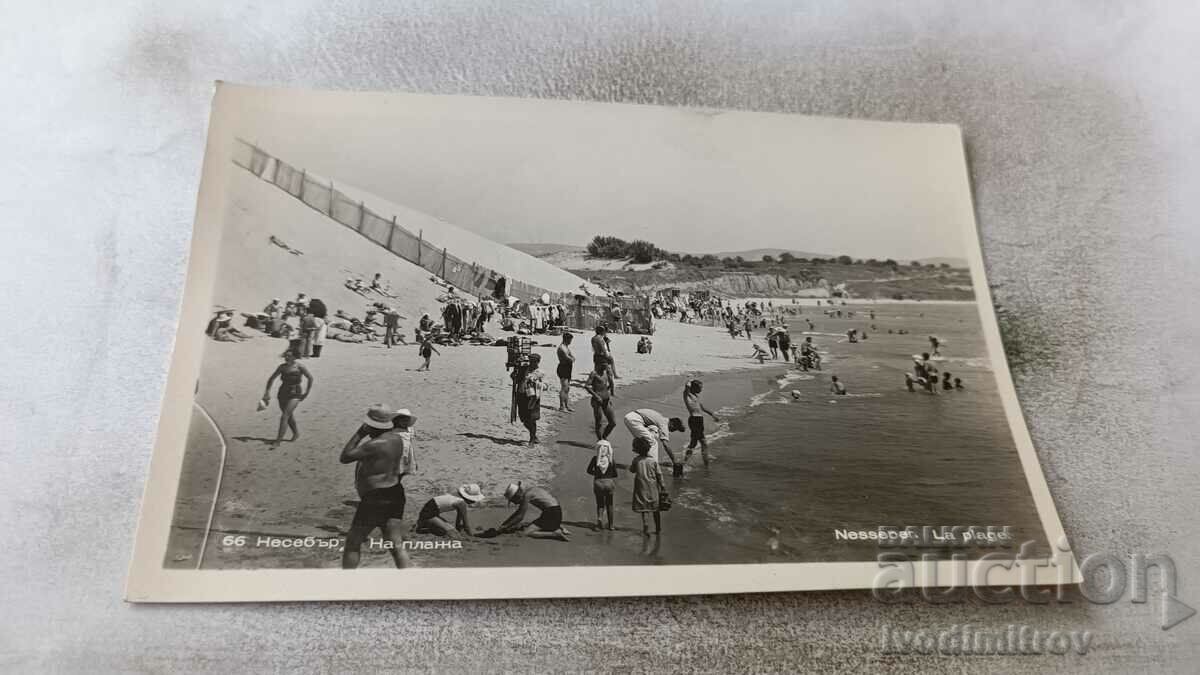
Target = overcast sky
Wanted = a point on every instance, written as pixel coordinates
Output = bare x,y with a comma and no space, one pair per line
689,181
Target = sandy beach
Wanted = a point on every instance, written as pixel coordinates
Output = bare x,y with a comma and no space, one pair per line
299,491
463,434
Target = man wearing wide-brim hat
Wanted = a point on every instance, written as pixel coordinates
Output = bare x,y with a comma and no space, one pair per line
383,450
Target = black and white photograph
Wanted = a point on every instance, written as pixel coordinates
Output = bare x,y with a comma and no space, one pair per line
446,333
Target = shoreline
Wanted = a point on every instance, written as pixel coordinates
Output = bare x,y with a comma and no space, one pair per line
465,436
687,537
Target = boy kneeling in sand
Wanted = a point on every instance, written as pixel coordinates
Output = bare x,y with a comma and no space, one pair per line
430,521
548,524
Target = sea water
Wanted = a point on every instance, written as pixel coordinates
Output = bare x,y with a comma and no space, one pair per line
794,463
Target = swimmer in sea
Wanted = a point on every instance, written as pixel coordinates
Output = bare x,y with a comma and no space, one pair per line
836,387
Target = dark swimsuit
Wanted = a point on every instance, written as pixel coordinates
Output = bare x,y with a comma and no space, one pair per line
565,368
289,387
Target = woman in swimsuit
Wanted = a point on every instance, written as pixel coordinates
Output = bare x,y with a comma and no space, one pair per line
290,373
566,367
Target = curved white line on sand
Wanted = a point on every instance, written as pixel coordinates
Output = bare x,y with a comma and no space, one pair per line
216,490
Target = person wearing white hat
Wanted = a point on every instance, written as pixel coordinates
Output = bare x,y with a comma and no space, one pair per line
548,524
382,449
430,521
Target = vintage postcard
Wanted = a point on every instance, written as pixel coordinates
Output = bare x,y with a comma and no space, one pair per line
458,347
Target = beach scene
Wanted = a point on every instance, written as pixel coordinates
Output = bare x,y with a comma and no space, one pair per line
544,374
791,460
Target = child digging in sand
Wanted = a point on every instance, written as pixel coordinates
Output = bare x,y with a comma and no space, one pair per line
647,485
548,524
759,353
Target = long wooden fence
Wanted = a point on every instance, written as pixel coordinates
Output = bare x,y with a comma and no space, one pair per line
583,311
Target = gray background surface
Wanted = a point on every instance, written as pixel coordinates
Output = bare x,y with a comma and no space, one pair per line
1083,127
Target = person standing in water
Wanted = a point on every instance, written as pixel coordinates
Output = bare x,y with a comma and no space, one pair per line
383,454
603,470
836,387
600,386
648,485
785,344
696,411
566,367
651,425
935,343
291,392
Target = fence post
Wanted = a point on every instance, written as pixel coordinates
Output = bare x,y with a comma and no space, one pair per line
391,232
362,215
420,245
443,263
303,180
275,173
330,209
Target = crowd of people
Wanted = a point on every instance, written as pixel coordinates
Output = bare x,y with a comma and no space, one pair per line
383,450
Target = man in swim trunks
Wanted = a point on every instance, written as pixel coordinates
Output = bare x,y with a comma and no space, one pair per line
548,524
601,357
652,426
599,385
382,450
696,411
566,367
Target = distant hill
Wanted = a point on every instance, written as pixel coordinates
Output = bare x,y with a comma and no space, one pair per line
758,253
539,250
953,262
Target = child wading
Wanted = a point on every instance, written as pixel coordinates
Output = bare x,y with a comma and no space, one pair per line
604,470
648,488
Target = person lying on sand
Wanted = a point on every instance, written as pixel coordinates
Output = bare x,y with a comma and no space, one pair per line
221,328
548,524
280,243
430,521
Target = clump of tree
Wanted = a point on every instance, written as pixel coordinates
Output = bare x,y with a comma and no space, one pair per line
638,250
